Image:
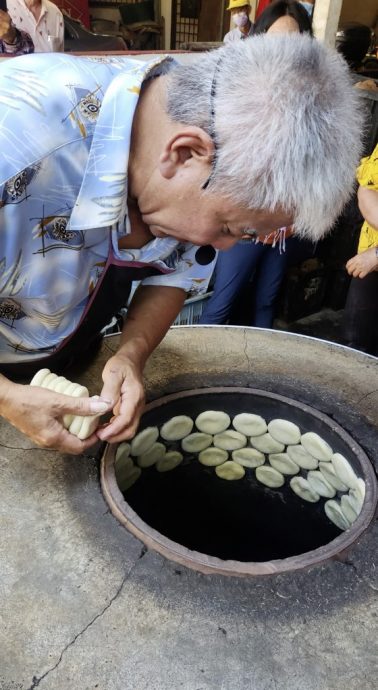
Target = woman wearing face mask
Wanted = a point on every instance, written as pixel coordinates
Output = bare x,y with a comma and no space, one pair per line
240,18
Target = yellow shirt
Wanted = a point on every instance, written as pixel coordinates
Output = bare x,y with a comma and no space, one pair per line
367,176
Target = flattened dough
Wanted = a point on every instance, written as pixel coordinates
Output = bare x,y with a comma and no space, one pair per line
196,442
270,477
126,473
169,461
212,457
302,457
284,431
335,514
39,376
282,463
328,471
213,422
348,508
344,470
267,444
144,440
152,455
230,470
301,487
318,483
248,457
316,446
123,451
357,495
230,440
176,428
249,424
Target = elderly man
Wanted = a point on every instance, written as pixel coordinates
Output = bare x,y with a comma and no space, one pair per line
12,41
240,11
42,20
115,170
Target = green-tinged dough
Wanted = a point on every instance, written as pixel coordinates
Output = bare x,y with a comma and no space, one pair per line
284,431
248,457
230,440
230,470
169,461
196,442
328,471
319,483
211,457
316,446
213,422
357,495
269,476
301,487
282,463
124,469
176,428
335,514
348,508
143,441
344,470
152,455
266,444
130,479
299,455
123,451
249,424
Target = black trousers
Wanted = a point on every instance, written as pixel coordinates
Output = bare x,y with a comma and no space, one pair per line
360,321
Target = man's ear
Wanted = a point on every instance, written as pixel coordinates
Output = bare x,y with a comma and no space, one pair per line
190,143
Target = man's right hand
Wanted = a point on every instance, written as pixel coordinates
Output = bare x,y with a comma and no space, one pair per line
7,30
38,413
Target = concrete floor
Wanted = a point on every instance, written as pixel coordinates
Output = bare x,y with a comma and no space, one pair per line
84,605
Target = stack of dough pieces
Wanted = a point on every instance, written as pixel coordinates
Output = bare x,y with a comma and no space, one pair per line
82,427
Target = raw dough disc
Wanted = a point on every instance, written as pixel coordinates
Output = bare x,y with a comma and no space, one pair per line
248,457
302,457
39,376
76,391
89,425
196,442
230,470
126,473
357,495
344,470
176,428
282,463
335,514
123,451
316,446
213,422
328,471
269,476
144,440
131,478
249,424
49,380
212,457
169,461
230,440
348,508
301,487
61,384
267,444
318,483
284,431
155,453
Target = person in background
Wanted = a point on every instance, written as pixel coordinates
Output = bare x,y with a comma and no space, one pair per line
264,259
42,20
13,41
360,321
240,17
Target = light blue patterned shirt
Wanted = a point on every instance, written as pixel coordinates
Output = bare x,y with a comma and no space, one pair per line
65,125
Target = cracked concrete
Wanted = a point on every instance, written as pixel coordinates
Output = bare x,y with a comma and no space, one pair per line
84,605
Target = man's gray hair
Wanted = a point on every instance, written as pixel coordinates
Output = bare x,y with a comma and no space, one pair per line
286,121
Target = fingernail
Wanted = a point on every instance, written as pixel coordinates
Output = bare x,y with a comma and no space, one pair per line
99,406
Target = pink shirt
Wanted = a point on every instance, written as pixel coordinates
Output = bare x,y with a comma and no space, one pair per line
47,33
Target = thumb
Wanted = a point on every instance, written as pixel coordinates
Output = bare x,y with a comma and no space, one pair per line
83,407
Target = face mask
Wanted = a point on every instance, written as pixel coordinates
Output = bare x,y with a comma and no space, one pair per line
240,19
308,7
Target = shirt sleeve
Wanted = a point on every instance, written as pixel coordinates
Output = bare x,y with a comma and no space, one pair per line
193,269
22,45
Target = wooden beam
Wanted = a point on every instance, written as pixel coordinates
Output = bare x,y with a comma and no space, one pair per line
326,20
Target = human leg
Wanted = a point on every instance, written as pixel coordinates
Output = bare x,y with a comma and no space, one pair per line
360,320
269,276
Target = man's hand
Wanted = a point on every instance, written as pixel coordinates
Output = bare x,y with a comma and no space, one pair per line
38,413
7,30
362,264
124,385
